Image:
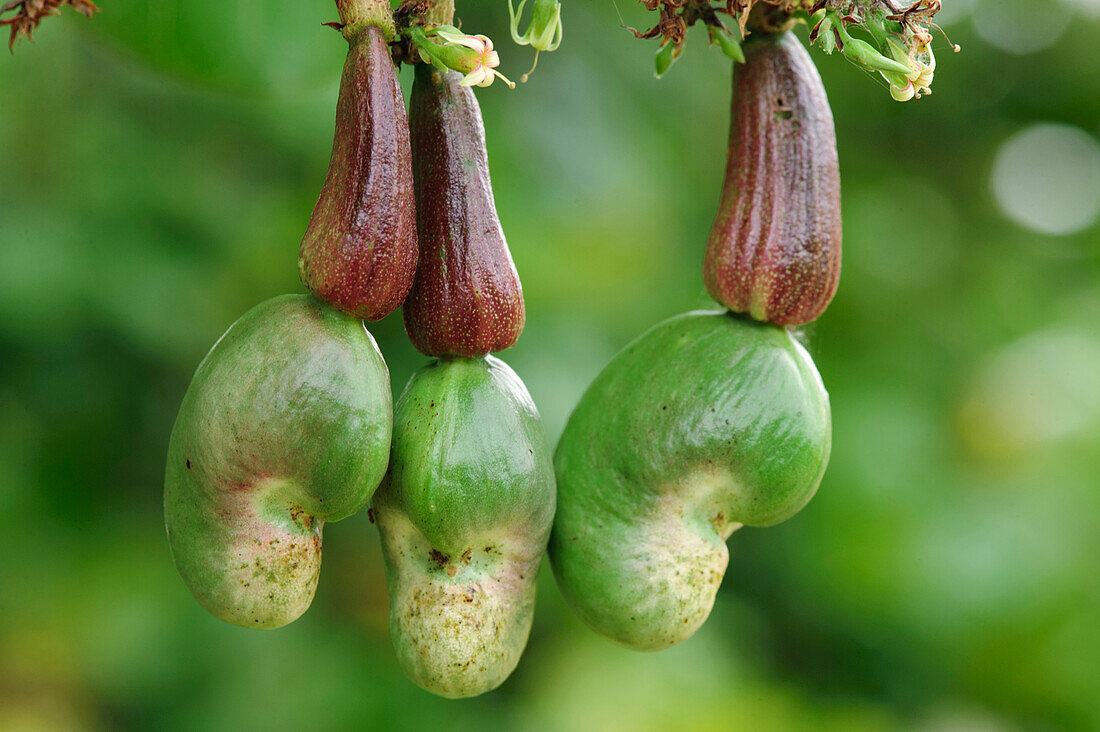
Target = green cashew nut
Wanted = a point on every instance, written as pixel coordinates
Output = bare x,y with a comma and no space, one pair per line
703,424
285,425
464,515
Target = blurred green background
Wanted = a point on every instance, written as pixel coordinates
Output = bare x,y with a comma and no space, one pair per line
157,167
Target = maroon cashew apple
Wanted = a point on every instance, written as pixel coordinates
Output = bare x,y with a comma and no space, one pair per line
359,251
774,249
467,299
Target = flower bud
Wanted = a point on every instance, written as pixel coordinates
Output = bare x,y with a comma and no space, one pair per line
729,45
666,55
864,54
544,32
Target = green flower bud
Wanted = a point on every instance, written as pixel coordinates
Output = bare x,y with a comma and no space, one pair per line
545,31
828,41
864,54
823,31
666,54
729,45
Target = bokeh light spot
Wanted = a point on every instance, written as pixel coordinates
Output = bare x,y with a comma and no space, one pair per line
1021,26
1088,7
1047,179
1039,390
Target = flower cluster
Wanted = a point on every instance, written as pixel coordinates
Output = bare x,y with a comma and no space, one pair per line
900,46
896,42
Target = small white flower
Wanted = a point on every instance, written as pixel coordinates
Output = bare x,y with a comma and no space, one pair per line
480,66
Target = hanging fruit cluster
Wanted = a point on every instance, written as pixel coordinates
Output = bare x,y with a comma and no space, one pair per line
774,249
288,421
465,513
359,251
708,422
712,421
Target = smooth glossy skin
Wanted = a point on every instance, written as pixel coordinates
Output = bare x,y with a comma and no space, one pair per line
464,516
774,249
359,251
467,299
703,424
286,425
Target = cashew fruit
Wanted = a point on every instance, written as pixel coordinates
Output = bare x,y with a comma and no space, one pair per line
359,251
467,299
774,248
286,425
705,423
464,515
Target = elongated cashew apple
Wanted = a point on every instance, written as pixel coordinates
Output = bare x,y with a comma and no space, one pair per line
286,425
467,299
705,423
774,250
359,251
464,516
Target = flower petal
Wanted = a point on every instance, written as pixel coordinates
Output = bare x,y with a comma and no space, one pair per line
476,77
459,39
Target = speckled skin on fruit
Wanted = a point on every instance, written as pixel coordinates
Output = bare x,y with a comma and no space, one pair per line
464,514
705,423
774,249
286,425
359,251
467,299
